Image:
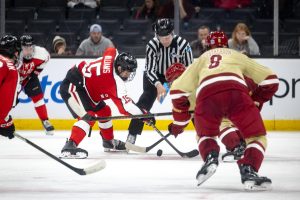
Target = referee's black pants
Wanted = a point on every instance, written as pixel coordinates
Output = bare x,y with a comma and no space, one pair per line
145,101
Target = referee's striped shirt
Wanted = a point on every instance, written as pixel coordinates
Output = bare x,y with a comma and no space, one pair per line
159,58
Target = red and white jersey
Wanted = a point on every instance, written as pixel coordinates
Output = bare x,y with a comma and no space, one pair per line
35,65
102,83
9,79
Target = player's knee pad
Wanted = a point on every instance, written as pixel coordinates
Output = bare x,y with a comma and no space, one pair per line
83,125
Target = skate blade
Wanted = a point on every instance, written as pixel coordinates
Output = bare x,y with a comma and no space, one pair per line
49,132
107,150
68,155
210,171
228,159
251,186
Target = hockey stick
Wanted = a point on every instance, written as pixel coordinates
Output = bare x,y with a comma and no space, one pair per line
81,171
189,154
137,116
140,149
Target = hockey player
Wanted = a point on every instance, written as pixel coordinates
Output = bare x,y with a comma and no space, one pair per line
33,60
221,91
229,135
84,90
9,79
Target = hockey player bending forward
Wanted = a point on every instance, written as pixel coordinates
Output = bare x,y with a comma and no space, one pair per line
84,90
217,76
33,61
9,80
229,134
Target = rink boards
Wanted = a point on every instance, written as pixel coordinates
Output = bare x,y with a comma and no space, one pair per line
281,113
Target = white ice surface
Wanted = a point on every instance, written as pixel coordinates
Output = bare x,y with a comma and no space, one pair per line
26,173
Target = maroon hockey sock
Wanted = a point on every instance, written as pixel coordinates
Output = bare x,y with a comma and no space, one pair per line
230,138
77,135
253,156
208,145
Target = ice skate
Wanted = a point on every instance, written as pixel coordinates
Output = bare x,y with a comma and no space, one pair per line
113,145
235,154
208,168
252,181
48,127
70,151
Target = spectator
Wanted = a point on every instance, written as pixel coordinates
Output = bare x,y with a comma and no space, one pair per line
83,3
231,4
94,45
199,45
186,10
149,10
60,46
242,41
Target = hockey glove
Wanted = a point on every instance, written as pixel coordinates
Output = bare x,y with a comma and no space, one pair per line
89,116
7,128
148,120
175,129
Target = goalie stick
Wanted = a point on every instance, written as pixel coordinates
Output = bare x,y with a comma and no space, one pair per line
140,149
189,154
81,171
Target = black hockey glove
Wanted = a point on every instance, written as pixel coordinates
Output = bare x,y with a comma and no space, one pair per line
148,120
89,116
7,128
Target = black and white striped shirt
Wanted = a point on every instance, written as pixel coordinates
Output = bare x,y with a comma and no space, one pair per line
159,58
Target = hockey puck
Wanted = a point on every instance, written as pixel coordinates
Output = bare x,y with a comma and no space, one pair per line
159,152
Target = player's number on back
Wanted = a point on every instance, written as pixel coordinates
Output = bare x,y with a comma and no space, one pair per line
87,69
215,61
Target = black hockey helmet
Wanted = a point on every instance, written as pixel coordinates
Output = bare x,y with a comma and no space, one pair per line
9,44
127,62
26,40
163,27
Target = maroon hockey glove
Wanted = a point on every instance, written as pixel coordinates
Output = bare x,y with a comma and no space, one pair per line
175,129
7,128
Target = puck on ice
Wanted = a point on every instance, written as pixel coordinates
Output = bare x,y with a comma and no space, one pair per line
159,152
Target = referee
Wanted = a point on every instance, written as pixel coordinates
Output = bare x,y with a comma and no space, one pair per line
163,50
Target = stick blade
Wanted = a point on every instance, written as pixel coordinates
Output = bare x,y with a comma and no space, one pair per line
192,153
93,168
135,148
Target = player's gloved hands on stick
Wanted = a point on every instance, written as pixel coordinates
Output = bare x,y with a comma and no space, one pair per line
89,116
175,129
148,120
7,128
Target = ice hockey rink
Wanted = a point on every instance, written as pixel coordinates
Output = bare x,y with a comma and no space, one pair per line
26,173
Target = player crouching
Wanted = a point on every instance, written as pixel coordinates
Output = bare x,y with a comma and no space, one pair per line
217,78
84,90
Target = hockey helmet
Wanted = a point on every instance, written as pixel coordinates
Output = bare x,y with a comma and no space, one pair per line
26,40
174,71
27,44
9,44
163,27
217,39
127,62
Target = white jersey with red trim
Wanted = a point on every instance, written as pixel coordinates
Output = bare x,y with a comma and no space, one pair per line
35,65
9,79
102,83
